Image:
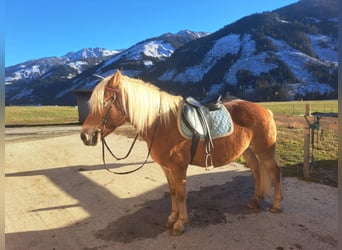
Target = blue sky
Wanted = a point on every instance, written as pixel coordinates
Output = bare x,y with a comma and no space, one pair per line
41,28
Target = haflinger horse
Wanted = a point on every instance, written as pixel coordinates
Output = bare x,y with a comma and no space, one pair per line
153,113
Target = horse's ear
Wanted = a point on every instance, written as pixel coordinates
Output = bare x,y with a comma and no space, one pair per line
114,81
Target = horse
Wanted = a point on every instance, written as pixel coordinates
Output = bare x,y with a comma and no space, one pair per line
118,99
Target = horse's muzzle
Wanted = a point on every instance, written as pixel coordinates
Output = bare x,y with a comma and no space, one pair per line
89,137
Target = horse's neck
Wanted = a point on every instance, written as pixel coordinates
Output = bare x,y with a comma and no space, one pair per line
164,116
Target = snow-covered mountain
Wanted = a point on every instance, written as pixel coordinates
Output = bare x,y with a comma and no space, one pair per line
74,62
285,54
52,80
139,58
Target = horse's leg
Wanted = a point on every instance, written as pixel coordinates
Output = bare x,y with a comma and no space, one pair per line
174,210
253,164
176,175
269,162
180,182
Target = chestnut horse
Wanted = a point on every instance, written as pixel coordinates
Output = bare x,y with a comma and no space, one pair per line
118,99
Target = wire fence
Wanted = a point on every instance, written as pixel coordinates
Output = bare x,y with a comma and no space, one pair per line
298,107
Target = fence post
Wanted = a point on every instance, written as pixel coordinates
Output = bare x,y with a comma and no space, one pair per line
306,166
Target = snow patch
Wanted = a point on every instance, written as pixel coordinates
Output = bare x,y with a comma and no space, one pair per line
248,61
26,73
295,59
325,47
158,49
77,65
226,45
148,63
302,89
155,49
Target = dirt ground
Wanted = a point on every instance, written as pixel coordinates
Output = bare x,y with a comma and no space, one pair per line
59,196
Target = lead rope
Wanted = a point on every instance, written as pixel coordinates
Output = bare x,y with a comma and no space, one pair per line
104,144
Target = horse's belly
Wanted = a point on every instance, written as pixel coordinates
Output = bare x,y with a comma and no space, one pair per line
223,152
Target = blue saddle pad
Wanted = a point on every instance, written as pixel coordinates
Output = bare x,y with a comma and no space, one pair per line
220,124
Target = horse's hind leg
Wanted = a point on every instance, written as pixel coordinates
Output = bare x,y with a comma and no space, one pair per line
253,164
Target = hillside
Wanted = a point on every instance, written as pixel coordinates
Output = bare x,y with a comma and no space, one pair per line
51,81
289,53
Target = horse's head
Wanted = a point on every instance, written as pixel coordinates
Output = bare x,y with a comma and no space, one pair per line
106,110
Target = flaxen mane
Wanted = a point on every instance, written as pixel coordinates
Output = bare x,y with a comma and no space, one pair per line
96,102
143,102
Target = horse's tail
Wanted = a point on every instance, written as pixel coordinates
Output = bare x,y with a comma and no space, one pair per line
268,170
265,181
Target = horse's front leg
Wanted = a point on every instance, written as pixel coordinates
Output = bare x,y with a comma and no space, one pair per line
174,207
177,181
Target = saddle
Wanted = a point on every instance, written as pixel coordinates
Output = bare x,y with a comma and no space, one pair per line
196,116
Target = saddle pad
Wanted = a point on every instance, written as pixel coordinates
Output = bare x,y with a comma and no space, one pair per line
221,124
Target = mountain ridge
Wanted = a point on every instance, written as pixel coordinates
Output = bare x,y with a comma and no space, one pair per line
260,56
289,53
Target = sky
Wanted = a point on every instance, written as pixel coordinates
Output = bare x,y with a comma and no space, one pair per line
41,28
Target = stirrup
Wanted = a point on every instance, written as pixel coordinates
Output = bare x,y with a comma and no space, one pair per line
207,157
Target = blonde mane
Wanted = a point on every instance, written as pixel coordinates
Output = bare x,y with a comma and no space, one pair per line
142,102
97,97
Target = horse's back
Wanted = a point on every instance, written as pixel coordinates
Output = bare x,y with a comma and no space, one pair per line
248,113
258,119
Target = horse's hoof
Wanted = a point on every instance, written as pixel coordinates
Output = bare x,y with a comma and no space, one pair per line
169,225
253,205
176,232
275,210
178,229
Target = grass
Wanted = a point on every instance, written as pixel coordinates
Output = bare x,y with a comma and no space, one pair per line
298,107
290,143
40,115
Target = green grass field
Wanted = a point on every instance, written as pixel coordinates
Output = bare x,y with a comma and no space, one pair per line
298,107
290,142
40,115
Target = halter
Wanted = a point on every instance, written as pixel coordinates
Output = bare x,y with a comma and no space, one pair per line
104,143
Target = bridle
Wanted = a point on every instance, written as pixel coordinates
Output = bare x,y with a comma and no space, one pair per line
113,99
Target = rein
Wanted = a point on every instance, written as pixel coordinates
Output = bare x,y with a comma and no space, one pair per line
105,145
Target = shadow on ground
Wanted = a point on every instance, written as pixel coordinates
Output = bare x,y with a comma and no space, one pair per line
208,206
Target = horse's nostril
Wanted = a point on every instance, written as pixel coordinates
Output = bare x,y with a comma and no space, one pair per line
94,139
89,137
84,138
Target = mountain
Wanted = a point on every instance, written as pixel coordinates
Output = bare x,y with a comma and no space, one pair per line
74,62
138,58
288,53
51,81
34,82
